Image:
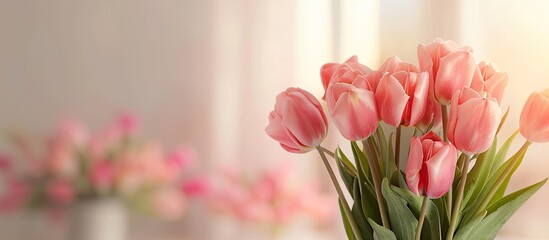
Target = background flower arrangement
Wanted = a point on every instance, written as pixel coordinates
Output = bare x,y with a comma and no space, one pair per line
455,178
272,198
74,166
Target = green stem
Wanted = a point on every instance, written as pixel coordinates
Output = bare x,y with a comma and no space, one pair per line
354,226
421,217
449,202
397,146
376,175
330,153
459,198
501,178
444,122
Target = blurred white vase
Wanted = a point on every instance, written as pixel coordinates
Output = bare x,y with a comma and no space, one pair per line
99,219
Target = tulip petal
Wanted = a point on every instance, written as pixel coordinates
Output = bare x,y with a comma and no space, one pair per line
476,129
456,71
326,72
355,114
496,85
440,171
413,167
418,101
391,100
303,120
278,132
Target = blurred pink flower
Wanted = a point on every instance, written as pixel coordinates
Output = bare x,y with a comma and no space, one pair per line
15,194
181,158
169,204
271,196
60,192
128,123
196,187
102,176
5,163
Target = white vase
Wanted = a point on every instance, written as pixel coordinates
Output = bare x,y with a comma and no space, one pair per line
98,219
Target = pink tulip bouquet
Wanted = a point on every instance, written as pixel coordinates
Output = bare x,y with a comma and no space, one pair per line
453,182
73,166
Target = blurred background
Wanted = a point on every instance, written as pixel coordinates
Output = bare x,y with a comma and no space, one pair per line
205,73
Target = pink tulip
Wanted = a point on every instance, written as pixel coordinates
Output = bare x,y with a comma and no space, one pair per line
351,103
450,68
401,97
391,65
432,115
534,118
346,72
474,119
298,122
431,166
487,78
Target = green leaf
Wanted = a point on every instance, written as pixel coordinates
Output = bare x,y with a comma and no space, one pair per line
444,218
381,232
403,221
479,174
346,224
369,203
463,232
431,227
346,162
361,163
492,182
502,120
500,212
502,153
348,175
359,213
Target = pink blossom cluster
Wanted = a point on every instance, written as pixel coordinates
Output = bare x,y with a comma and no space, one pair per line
271,197
73,165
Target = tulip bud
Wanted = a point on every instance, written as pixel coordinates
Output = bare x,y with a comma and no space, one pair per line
487,78
450,68
351,101
298,122
534,118
473,122
431,166
401,97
